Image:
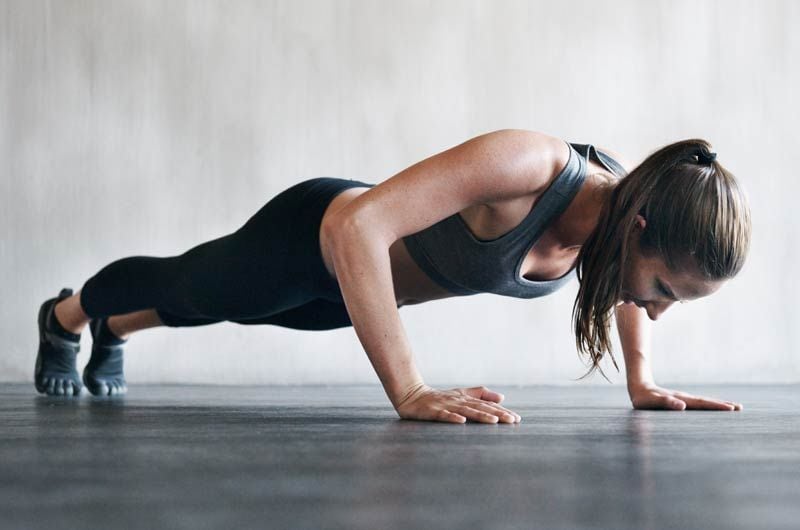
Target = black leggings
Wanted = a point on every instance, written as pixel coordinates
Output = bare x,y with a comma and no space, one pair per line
269,271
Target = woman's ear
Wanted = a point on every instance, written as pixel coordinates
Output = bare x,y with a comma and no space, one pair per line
640,222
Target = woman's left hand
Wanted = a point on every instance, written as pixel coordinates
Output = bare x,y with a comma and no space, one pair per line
649,396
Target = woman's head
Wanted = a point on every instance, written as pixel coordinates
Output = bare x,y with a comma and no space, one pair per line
676,227
649,283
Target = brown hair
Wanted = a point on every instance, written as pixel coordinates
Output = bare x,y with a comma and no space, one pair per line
697,216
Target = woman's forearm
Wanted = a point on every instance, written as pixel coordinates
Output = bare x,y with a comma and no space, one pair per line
363,270
635,335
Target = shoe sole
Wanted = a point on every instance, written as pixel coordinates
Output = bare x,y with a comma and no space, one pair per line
38,366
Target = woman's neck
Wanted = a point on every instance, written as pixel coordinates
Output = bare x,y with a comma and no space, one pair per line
580,218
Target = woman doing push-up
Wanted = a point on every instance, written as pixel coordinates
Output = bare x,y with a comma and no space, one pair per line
511,212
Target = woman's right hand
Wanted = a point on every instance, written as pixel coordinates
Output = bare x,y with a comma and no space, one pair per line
455,406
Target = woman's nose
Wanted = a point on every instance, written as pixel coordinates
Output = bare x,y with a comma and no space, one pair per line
655,309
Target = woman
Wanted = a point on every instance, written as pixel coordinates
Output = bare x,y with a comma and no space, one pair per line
511,212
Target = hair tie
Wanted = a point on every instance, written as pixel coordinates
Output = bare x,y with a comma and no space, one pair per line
706,157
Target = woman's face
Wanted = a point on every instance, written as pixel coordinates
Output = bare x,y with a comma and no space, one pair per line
647,283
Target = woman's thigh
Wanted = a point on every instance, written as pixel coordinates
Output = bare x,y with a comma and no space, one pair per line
317,315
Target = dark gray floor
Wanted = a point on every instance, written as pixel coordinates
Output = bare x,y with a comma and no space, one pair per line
338,457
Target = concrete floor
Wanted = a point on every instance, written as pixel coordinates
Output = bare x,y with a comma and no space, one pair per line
338,457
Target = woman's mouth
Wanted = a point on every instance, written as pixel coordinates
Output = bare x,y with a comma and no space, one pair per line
627,299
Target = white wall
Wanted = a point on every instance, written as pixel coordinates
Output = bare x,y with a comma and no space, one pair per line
146,127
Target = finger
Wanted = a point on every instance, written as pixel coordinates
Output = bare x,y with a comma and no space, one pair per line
500,412
707,403
661,402
736,406
478,415
494,407
675,403
451,417
481,392
504,415
704,403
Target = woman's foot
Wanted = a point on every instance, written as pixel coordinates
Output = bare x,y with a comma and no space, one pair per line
103,375
55,372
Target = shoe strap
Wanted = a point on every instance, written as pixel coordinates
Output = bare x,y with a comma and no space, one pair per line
58,340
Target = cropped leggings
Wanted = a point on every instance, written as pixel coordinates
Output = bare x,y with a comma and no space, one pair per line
269,271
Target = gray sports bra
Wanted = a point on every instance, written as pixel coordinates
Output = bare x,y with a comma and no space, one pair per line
465,265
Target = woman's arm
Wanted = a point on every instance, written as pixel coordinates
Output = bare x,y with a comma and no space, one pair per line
497,165
363,269
635,334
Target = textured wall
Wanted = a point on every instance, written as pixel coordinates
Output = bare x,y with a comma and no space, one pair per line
144,128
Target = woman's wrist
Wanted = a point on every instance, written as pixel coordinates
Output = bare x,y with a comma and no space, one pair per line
408,393
637,384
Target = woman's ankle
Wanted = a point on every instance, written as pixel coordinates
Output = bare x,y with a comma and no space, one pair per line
124,325
116,327
64,314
